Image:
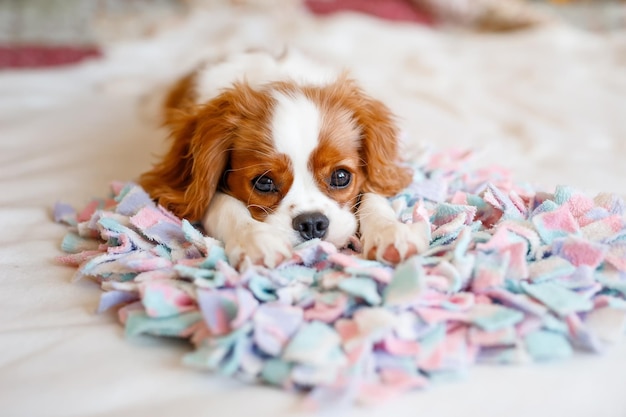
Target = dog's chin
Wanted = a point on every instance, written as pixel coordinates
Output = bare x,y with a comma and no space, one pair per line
338,241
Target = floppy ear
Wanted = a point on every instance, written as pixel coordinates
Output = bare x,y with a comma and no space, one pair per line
188,176
379,147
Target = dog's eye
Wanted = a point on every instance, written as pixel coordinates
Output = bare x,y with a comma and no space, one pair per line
264,184
340,179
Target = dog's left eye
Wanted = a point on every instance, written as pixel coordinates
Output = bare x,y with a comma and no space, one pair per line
340,179
264,184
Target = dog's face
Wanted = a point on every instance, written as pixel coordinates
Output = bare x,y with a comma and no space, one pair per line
301,169
297,157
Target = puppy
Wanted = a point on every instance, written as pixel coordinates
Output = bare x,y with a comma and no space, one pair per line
271,151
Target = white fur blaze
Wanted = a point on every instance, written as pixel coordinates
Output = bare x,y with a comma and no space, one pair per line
296,128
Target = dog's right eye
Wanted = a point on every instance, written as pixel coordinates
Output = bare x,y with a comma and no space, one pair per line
264,184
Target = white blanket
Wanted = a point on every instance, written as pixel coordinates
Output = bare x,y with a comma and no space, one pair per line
549,104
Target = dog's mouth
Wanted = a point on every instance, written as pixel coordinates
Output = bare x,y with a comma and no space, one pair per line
353,245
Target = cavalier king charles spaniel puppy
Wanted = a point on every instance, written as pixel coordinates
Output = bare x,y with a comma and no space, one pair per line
271,151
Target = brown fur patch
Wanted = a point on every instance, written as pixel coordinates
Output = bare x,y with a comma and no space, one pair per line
248,163
203,137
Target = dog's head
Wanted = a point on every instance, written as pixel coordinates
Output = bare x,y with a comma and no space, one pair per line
298,156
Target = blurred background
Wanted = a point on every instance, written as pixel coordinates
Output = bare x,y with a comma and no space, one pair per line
43,33
537,87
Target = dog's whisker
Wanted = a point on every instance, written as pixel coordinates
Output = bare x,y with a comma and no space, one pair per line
266,210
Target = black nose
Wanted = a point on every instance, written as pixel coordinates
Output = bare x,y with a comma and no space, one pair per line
311,225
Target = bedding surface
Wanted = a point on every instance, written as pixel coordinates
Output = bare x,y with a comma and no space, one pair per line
549,104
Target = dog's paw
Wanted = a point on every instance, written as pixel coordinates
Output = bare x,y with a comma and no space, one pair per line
258,245
393,241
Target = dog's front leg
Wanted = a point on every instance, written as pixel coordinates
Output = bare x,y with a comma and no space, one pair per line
383,236
246,240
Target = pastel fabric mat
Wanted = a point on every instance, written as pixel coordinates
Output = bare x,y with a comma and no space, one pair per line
511,276
546,104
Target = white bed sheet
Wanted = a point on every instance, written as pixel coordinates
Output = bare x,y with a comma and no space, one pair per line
549,104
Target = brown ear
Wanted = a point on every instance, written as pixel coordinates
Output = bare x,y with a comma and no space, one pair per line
188,176
379,149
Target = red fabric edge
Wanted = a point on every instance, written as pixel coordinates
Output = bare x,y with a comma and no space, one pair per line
37,56
393,10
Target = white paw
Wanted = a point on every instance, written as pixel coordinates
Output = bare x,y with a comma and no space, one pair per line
392,241
258,244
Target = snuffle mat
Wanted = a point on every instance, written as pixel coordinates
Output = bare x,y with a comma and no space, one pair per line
512,275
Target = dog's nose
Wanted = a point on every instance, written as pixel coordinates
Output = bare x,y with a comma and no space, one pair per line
311,225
